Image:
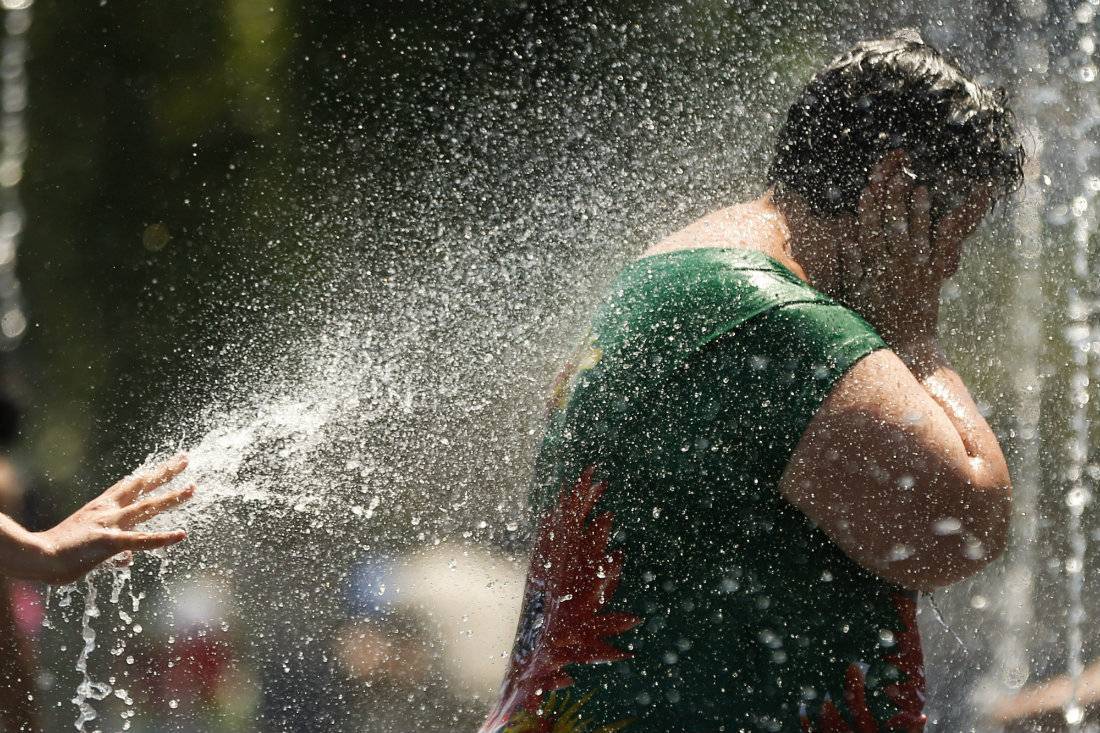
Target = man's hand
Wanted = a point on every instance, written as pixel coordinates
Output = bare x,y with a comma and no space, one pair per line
893,271
104,527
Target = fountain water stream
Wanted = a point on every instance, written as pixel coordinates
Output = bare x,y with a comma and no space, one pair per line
1079,337
13,154
1013,662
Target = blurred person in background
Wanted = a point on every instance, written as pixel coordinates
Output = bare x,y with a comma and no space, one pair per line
193,669
471,593
21,606
427,637
1043,707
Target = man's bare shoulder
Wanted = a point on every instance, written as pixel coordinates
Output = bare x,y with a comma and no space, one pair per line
749,225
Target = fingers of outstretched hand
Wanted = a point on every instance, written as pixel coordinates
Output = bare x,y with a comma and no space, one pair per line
154,505
148,540
130,488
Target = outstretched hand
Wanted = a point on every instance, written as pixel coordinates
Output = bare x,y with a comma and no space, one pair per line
104,527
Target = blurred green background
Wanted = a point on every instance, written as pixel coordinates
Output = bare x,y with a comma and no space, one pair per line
178,152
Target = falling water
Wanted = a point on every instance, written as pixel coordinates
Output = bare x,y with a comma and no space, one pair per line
1079,338
1013,666
88,690
13,154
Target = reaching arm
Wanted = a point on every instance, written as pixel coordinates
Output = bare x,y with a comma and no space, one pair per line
900,469
102,528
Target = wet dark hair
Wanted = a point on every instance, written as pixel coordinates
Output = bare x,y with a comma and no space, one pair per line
891,93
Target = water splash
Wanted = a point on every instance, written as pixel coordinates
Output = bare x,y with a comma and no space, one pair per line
13,154
1078,335
290,469
88,691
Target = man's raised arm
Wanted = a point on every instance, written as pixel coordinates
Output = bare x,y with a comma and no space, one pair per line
903,474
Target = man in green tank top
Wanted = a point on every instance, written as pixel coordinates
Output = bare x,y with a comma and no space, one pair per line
759,455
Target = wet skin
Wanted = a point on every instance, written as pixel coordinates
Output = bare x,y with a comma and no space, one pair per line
102,529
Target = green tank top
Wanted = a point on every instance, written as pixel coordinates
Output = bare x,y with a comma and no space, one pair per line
671,587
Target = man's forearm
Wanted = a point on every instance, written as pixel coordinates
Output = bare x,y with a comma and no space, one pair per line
988,468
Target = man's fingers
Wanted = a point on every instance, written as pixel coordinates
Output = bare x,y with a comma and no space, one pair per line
148,508
871,240
870,213
886,184
872,199
920,225
895,215
850,271
129,489
890,163
148,540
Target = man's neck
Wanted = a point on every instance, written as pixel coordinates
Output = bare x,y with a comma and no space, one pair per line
784,230
808,245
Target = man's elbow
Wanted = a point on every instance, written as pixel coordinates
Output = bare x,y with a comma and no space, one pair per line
958,547
990,518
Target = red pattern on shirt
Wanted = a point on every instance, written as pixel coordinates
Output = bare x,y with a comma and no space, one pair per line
907,695
571,578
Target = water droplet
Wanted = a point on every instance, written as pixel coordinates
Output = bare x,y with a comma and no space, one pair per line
1078,497
900,552
946,526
